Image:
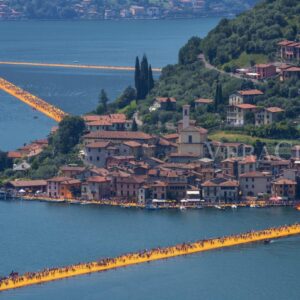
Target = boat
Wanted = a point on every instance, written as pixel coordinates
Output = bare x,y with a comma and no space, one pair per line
253,205
182,207
219,207
233,206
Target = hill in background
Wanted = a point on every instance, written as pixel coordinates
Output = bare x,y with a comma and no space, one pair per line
116,9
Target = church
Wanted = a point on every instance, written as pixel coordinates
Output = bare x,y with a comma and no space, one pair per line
192,139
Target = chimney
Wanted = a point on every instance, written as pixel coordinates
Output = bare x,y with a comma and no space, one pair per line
185,116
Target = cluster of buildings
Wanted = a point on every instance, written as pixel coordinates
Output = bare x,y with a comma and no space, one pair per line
8,13
286,68
241,106
123,165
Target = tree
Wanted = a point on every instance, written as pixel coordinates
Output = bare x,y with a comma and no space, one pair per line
103,99
144,77
150,79
218,95
137,78
259,148
68,135
127,96
134,125
249,118
5,162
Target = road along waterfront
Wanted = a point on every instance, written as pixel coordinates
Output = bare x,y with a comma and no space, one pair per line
16,281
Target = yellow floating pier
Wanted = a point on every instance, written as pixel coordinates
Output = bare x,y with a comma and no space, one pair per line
75,66
37,103
16,281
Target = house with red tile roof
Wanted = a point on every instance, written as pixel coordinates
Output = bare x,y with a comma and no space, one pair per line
255,183
268,115
233,167
284,188
244,96
220,190
289,50
96,153
96,188
236,113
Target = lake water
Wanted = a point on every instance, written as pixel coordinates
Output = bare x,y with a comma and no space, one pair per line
38,235
76,91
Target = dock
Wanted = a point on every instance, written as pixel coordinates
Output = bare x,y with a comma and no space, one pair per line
35,102
74,66
14,280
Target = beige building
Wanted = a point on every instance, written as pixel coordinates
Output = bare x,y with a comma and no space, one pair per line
255,183
267,116
96,188
191,138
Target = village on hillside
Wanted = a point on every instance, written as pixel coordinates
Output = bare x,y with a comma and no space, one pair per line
183,169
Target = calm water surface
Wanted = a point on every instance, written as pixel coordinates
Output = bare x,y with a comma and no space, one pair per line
76,91
38,235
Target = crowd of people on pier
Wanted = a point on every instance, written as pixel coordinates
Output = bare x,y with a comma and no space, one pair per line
15,280
35,102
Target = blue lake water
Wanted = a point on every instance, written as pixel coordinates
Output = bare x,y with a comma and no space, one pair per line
76,91
38,235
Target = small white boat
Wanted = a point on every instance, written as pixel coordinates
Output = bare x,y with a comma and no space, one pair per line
181,207
219,207
253,205
233,206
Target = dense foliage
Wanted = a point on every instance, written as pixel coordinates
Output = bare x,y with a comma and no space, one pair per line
253,34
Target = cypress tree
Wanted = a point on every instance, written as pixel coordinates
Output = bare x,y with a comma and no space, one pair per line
150,79
137,78
134,125
218,95
144,77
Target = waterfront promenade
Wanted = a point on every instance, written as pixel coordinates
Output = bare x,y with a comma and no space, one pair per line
14,280
74,66
35,102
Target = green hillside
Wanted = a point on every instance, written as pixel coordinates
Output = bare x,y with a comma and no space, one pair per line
252,36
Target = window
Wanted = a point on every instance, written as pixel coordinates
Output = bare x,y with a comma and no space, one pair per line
190,139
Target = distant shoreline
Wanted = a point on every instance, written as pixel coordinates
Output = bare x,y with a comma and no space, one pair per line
121,19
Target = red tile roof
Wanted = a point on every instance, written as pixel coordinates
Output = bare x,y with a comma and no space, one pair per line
165,99
255,174
98,179
28,183
97,145
118,135
284,181
204,101
195,129
132,144
14,154
274,109
171,136
246,106
284,43
250,92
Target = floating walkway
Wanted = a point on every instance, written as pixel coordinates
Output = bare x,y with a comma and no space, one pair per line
75,66
16,281
33,101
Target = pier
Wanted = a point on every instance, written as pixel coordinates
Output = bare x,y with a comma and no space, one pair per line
74,66
35,102
14,280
